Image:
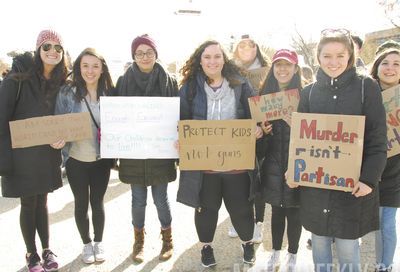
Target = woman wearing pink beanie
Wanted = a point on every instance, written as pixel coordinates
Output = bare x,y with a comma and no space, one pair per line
30,173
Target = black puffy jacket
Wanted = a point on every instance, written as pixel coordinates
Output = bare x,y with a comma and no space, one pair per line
31,170
336,213
276,191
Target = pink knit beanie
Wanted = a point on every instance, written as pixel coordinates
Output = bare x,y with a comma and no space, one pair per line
48,35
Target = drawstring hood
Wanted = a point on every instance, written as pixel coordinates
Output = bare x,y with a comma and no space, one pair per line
219,109
221,104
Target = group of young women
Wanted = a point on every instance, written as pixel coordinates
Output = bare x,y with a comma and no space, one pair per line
213,87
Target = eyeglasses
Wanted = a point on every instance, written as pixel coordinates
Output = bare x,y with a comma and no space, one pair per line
250,44
335,32
150,54
47,46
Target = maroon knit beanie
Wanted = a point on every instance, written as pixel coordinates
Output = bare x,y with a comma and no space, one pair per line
48,35
144,39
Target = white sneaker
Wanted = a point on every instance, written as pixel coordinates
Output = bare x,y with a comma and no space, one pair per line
258,233
290,263
99,253
232,232
88,253
273,261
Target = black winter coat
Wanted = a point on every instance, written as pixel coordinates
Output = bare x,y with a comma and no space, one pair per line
32,170
389,187
336,213
147,172
276,150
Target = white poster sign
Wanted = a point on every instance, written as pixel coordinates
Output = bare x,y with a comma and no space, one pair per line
139,127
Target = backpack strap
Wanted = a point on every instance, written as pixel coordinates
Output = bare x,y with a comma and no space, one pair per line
310,93
362,90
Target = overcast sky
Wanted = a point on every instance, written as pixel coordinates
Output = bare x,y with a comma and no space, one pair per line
110,26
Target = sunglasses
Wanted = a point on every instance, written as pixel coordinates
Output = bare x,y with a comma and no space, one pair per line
47,46
250,44
335,32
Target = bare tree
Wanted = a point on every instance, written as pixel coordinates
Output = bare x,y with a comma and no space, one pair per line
306,48
392,10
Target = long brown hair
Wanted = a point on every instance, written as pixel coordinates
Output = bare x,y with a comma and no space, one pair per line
341,36
105,84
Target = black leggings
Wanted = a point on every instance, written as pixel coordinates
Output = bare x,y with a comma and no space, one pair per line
34,217
259,207
293,228
234,190
89,180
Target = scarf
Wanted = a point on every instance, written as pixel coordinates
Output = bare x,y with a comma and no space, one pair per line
255,65
221,104
156,83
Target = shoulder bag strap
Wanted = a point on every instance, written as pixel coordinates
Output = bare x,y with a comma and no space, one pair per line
91,114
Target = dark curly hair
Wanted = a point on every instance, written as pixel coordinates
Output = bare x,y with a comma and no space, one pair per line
192,66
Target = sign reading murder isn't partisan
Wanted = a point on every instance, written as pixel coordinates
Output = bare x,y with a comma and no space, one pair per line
217,145
326,150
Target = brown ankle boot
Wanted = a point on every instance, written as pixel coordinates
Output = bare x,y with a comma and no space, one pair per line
137,253
167,247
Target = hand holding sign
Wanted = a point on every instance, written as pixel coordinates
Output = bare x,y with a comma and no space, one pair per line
361,189
259,132
58,145
266,127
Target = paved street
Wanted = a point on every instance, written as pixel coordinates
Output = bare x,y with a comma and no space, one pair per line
118,237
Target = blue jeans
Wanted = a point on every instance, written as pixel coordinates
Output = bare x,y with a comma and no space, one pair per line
348,253
385,238
139,202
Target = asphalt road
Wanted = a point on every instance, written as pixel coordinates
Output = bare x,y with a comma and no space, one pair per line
118,237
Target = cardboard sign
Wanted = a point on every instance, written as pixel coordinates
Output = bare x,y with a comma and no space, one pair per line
139,127
217,145
279,105
326,150
391,102
257,77
50,129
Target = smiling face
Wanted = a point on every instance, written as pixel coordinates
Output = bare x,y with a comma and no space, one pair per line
284,71
91,70
247,51
334,58
212,61
51,57
389,71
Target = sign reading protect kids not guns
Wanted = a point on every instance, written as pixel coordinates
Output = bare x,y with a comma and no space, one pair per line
391,102
274,106
325,150
217,145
